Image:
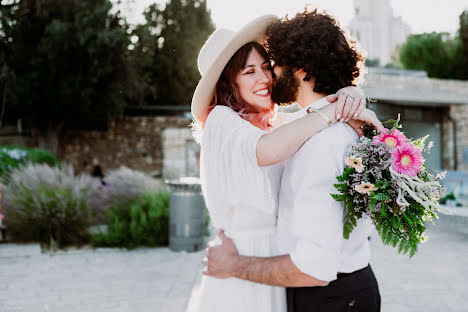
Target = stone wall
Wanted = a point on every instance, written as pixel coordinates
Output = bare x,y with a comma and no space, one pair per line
448,159
450,97
181,154
460,114
162,146
139,143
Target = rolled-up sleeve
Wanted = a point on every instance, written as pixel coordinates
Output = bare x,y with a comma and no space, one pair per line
317,219
229,145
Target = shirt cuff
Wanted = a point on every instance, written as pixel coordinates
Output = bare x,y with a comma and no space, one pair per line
313,260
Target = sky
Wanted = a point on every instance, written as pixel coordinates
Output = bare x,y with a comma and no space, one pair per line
420,15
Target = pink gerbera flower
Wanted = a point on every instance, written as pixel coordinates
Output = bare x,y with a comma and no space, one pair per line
407,159
392,138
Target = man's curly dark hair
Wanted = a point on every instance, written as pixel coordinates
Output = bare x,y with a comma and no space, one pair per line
313,41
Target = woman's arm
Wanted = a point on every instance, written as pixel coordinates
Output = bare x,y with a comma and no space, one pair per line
284,141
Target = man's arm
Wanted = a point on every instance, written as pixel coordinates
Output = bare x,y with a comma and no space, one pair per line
316,222
224,261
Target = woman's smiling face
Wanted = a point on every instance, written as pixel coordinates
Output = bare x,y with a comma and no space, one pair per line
254,82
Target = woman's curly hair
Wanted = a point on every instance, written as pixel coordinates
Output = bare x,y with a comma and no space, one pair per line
313,41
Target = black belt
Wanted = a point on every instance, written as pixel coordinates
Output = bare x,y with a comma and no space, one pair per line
341,275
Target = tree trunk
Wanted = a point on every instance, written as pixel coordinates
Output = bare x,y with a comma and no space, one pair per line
49,140
4,99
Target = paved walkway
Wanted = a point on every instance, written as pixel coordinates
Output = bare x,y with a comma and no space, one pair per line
153,279
435,279
157,279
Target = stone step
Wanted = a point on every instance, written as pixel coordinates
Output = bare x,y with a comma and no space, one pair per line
19,250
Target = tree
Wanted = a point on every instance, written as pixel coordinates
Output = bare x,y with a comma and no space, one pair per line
165,51
464,40
373,62
5,76
440,55
436,53
65,62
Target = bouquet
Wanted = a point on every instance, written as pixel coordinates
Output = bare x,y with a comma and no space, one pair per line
385,178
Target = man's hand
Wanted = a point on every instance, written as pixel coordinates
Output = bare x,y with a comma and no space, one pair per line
224,261
356,125
370,118
221,260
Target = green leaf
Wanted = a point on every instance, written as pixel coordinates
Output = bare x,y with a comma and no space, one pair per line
421,142
341,178
384,211
347,226
338,197
395,123
408,219
384,185
341,187
371,205
401,247
380,197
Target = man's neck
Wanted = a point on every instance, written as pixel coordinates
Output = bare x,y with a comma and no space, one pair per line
306,95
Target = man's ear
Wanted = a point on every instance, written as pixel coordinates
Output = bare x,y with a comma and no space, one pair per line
300,74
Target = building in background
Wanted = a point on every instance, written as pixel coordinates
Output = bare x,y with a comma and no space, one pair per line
378,31
438,107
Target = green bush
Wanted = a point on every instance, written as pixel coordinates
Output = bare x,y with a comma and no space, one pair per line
14,157
144,222
49,205
448,196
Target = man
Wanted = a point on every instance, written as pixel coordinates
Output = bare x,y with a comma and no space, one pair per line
324,271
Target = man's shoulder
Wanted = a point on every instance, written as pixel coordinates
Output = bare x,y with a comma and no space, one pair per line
336,134
330,141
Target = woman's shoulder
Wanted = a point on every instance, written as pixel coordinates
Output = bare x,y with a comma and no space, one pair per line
223,115
223,110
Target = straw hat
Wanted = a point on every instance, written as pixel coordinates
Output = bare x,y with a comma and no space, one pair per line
216,53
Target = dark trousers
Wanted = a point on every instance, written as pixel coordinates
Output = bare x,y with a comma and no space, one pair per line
352,292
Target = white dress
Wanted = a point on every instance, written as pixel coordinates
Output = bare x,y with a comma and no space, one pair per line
242,199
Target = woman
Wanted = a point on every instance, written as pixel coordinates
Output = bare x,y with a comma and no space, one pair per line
242,157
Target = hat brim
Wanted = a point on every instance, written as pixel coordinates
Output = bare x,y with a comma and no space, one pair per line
203,95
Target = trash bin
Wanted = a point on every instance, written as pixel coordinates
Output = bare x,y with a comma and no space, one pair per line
186,215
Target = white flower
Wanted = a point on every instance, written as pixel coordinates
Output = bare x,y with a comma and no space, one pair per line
355,162
16,154
365,188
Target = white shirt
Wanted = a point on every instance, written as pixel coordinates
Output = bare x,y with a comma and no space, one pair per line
310,221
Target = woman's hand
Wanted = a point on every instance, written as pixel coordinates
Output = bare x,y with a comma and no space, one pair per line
351,102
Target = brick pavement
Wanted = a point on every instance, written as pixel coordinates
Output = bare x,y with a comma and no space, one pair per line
157,279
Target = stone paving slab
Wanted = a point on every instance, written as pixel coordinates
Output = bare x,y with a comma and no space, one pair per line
157,279
146,279
435,279
19,250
